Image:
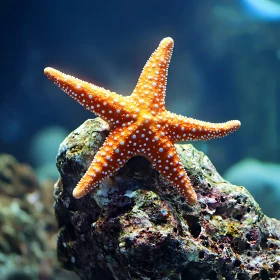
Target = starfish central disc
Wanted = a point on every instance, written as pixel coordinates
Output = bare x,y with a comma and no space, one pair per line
140,124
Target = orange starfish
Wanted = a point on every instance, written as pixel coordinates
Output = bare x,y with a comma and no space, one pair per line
140,124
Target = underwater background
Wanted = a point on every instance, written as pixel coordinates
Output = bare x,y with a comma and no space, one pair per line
225,65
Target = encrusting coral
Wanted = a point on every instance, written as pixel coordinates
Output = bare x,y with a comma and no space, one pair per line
135,226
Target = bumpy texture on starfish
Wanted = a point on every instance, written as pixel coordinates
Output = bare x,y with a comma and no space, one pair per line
140,124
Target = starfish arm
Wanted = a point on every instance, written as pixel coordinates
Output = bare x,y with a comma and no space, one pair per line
96,99
165,159
188,129
151,85
114,153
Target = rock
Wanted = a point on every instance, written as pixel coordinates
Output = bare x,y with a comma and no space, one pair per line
27,225
16,179
137,226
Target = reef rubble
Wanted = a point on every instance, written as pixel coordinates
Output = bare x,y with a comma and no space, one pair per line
137,226
28,230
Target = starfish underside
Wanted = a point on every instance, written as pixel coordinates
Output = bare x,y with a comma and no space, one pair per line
140,124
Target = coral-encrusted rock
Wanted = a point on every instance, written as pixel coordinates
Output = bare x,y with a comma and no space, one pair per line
27,225
15,174
137,226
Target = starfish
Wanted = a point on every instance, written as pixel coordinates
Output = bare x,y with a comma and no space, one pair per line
140,125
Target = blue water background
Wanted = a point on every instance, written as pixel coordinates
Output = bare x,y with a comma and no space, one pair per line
225,66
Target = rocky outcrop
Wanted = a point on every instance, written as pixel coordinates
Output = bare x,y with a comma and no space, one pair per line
137,226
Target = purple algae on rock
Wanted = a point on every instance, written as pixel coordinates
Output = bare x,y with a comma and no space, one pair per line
135,225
